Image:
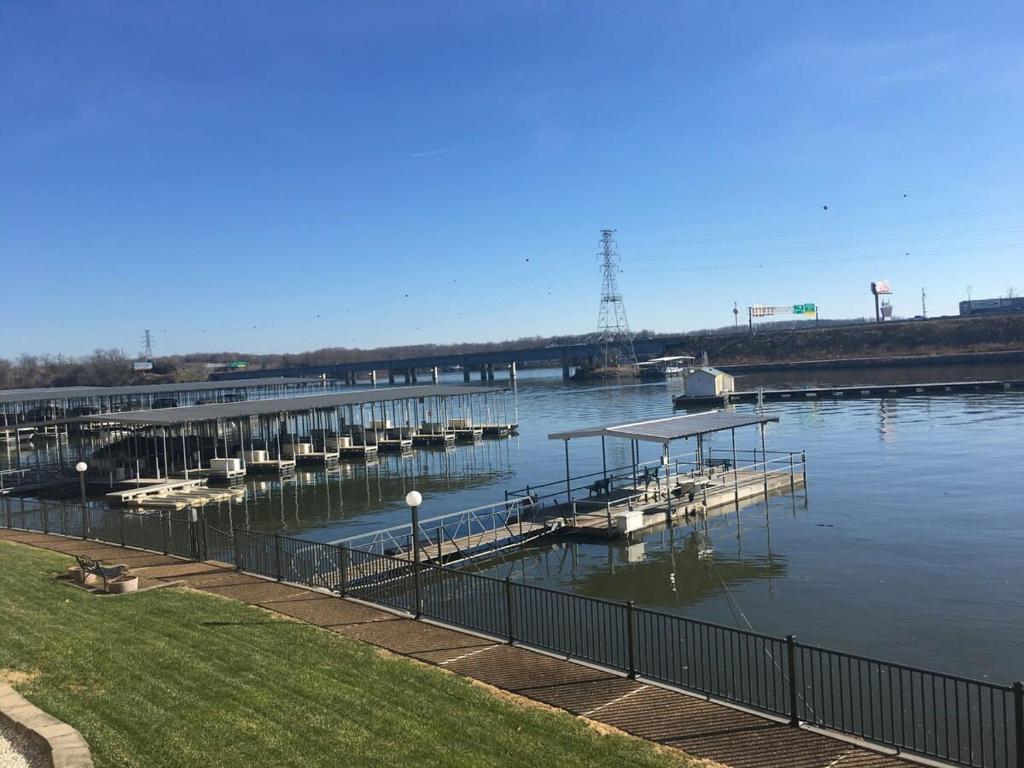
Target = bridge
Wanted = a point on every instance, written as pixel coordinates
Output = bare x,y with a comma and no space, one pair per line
485,363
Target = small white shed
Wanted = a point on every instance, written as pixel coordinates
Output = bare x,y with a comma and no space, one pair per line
709,382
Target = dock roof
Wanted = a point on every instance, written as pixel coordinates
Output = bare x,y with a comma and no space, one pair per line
671,428
198,413
77,393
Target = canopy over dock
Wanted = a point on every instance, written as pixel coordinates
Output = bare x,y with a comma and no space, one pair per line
668,429
195,414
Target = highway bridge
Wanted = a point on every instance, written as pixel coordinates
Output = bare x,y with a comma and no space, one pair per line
483,363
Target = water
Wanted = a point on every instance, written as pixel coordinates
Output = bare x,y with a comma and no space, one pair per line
906,546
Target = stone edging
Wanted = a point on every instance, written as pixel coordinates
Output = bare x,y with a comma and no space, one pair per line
59,741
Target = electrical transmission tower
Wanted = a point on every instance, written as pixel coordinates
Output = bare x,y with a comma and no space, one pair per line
147,341
612,325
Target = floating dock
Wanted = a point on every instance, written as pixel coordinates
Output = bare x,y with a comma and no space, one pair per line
849,392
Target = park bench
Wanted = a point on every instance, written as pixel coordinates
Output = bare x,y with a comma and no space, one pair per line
96,568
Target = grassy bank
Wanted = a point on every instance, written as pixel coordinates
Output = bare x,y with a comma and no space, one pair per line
179,678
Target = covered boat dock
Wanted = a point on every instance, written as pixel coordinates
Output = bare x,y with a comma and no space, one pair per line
621,500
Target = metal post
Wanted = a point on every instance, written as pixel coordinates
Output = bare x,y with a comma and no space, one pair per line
343,569
1018,716
509,612
416,560
794,718
277,557
568,485
630,640
237,548
764,457
163,530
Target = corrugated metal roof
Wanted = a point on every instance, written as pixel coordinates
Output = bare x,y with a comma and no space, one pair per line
671,428
76,393
213,412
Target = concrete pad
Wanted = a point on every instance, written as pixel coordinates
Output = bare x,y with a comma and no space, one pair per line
329,611
262,592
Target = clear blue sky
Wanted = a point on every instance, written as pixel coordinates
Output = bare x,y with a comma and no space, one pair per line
264,176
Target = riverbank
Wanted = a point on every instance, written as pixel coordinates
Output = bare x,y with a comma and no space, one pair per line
953,340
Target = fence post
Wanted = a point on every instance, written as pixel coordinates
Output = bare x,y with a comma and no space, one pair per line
343,568
630,639
206,541
794,717
237,548
123,518
1018,715
277,557
509,612
163,530
46,519
85,522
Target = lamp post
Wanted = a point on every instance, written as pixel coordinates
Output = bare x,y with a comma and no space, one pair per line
414,499
80,467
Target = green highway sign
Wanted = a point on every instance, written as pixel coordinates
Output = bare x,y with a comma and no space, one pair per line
804,309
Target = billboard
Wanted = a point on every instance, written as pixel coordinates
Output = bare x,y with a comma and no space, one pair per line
881,288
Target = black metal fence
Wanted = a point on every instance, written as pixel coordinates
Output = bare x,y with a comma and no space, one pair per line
168,532
965,722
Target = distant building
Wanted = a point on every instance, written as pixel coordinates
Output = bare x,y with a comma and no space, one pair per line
992,306
709,382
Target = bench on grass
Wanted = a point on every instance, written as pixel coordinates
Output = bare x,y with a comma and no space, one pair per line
96,568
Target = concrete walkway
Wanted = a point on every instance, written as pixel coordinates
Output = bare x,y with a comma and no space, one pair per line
699,727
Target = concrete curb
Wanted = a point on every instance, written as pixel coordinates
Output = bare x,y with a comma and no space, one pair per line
64,746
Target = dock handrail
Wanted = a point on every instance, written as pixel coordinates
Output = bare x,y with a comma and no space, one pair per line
471,526
545,494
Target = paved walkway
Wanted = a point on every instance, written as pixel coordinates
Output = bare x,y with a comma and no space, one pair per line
700,728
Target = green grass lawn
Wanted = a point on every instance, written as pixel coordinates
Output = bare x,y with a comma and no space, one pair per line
174,677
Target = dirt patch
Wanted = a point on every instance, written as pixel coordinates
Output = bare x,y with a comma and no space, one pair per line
15,677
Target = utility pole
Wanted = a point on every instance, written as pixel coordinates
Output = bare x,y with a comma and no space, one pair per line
924,306
147,341
612,325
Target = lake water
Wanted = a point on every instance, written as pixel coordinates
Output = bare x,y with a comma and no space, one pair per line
907,545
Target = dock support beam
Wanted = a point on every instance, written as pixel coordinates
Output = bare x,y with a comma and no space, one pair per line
466,373
490,371
408,376
483,371
391,376
512,371
414,379
434,375
373,378
565,370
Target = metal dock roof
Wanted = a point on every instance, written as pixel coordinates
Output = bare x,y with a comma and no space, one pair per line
75,393
669,429
277,405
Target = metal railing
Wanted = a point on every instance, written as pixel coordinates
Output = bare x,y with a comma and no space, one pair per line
455,535
965,722
159,531
581,486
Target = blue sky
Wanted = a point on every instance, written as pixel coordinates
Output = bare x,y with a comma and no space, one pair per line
262,176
